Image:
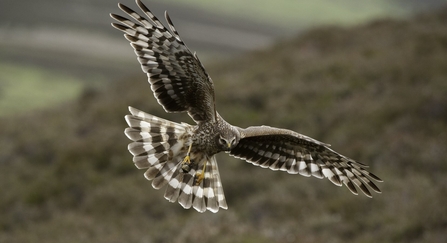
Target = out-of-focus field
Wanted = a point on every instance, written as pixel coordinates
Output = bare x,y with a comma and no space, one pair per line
27,88
73,41
307,13
376,92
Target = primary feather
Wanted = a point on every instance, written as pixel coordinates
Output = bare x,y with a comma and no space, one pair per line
181,156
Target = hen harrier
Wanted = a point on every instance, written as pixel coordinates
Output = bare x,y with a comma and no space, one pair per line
182,156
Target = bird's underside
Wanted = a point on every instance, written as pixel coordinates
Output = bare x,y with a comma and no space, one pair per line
182,156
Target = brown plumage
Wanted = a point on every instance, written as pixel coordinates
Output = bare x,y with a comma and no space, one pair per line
182,156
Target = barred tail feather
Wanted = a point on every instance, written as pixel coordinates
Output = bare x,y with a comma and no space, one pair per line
159,146
210,195
205,195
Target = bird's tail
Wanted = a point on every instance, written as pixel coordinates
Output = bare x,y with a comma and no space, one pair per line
160,146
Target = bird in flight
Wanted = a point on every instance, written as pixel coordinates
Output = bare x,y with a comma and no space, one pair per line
182,156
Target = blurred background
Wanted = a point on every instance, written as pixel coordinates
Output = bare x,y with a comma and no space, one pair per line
66,45
370,78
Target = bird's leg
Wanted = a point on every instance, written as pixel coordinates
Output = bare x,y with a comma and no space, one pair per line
201,175
186,166
187,160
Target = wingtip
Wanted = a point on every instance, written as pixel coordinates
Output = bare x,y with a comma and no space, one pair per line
335,180
121,6
375,177
116,26
167,17
132,110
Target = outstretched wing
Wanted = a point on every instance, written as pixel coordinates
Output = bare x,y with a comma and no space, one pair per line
178,79
281,149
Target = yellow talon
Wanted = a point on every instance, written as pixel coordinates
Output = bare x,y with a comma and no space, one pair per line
187,159
201,175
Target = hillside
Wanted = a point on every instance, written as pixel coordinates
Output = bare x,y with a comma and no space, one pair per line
377,93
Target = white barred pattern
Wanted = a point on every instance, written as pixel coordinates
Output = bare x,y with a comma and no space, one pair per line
160,146
181,84
178,79
285,150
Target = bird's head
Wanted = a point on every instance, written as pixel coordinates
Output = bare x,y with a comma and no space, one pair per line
228,139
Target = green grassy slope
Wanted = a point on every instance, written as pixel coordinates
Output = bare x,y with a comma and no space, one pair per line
377,93
305,12
25,88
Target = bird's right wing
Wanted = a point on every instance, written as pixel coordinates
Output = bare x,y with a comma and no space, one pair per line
178,79
286,150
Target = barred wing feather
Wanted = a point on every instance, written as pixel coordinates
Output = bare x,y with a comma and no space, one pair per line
281,149
177,77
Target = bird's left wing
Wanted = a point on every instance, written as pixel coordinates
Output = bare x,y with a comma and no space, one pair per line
177,77
282,149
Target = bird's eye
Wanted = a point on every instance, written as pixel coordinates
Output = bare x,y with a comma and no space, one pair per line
222,141
233,142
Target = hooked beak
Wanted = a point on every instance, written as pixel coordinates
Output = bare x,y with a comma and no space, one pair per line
229,147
